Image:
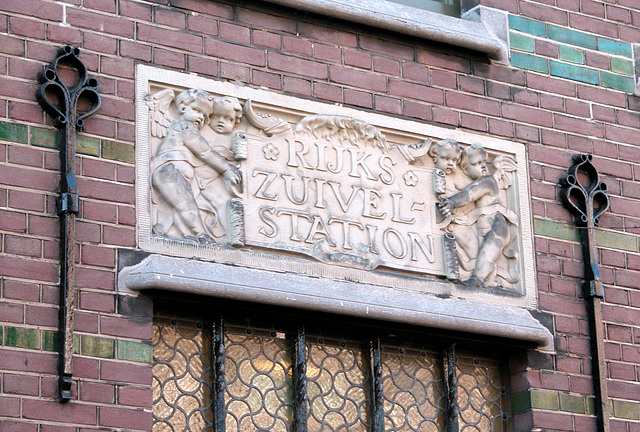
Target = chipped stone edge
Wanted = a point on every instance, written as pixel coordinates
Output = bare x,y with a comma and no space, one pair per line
341,297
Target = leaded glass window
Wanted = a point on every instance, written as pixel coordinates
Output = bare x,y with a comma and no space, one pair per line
238,375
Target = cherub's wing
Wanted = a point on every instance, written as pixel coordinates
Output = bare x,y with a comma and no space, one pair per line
504,170
159,112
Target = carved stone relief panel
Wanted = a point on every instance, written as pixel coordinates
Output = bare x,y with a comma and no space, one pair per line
249,177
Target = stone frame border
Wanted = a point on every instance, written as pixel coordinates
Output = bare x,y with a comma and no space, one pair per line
412,130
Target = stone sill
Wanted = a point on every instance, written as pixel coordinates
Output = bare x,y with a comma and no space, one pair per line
334,296
480,29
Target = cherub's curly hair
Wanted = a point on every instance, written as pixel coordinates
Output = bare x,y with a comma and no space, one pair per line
468,151
437,146
187,97
230,102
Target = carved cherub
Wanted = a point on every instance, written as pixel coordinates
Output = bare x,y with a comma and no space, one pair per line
181,159
493,221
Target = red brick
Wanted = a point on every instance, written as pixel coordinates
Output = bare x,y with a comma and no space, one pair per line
13,221
328,53
29,361
265,21
41,316
24,246
297,86
105,191
387,105
473,122
545,48
18,290
16,426
116,326
135,50
202,65
34,8
55,411
527,115
386,47
207,8
235,72
100,22
93,278
354,77
297,46
298,66
97,392
443,61
472,103
415,72
135,396
119,67
119,236
417,110
203,24
326,34
415,91
170,17
125,418
28,269
239,53
169,58
21,384
170,38
446,116
331,93
472,85
27,27
126,216
269,80
386,66
358,98
125,373
98,302
23,200
593,25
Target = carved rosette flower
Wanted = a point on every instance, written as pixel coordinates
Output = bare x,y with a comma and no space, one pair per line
410,178
270,152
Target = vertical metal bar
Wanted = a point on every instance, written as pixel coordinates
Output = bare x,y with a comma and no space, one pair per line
64,113
219,384
583,188
377,394
451,388
299,376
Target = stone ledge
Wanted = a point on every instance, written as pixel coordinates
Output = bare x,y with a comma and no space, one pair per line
480,29
335,296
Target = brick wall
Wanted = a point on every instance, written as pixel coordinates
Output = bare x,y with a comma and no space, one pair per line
567,90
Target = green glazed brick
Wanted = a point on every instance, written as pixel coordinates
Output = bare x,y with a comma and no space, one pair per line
76,344
544,400
614,47
1,335
617,82
118,151
573,72
616,240
572,37
135,351
87,145
529,62
622,66
13,132
50,138
521,42
521,402
97,347
556,230
591,406
525,25
50,340
571,55
571,403
22,337
625,410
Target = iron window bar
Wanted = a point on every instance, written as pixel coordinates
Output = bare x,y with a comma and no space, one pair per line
299,381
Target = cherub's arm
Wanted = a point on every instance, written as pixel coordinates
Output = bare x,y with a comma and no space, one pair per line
486,185
203,151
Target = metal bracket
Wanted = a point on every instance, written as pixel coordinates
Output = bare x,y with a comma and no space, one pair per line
585,196
61,103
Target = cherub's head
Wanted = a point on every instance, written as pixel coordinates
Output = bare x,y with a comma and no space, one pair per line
194,105
226,114
474,161
446,154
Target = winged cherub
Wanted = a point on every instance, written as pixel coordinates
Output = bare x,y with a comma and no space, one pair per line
494,222
181,159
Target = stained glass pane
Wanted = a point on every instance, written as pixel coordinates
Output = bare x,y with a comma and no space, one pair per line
413,394
337,387
481,396
258,376
181,378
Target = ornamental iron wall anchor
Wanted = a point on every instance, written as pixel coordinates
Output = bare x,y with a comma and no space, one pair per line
585,196
62,103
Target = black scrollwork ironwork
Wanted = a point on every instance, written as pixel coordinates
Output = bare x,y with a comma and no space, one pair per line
585,196
61,103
